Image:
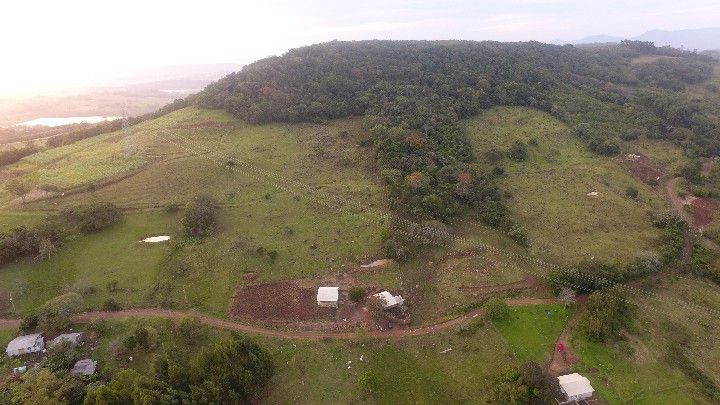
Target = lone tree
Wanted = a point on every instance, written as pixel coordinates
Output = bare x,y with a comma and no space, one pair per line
201,219
19,187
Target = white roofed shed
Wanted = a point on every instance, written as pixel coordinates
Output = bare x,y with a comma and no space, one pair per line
328,296
25,344
575,387
389,300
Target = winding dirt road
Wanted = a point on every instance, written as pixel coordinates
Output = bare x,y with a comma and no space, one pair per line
255,330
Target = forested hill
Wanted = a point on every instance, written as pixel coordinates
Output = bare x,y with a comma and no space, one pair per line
414,92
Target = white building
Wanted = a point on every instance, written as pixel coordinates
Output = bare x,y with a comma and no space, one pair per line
575,387
388,300
72,338
25,344
328,296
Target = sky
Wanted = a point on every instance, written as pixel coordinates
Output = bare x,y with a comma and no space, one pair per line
51,44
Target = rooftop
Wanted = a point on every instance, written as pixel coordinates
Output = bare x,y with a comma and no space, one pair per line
575,384
66,337
328,293
23,342
84,367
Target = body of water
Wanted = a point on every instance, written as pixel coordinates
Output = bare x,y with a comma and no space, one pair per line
56,122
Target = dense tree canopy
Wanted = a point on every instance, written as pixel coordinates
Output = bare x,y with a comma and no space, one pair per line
413,93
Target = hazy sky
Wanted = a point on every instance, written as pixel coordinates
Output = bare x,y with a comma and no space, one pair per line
56,43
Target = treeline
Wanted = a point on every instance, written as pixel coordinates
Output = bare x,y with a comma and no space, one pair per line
10,156
42,241
413,94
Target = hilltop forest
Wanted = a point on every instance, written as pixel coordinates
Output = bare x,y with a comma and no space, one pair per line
413,93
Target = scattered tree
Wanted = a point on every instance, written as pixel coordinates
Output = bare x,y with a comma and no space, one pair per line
201,219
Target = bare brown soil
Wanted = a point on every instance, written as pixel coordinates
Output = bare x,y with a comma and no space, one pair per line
703,210
256,330
562,362
280,301
641,169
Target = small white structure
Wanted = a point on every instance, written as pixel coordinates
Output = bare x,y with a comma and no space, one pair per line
19,370
25,344
388,300
575,387
72,338
328,296
84,367
156,239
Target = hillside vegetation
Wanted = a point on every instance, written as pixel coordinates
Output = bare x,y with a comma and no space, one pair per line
489,172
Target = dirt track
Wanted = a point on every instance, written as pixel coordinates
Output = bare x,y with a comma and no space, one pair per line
254,330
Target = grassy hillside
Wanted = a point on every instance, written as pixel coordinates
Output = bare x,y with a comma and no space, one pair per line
550,190
310,238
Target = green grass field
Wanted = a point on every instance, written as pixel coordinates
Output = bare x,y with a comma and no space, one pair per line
531,331
637,370
550,189
294,214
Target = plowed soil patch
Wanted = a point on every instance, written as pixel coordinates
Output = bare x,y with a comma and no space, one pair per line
640,168
282,301
703,210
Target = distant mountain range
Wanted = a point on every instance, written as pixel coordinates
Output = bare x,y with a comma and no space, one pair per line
700,39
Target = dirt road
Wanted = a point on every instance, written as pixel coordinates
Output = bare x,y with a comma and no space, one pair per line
254,330
671,187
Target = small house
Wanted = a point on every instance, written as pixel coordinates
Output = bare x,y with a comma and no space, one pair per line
388,300
84,367
575,387
72,338
25,344
328,296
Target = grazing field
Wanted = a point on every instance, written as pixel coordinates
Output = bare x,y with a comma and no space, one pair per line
550,189
637,369
531,331
302,215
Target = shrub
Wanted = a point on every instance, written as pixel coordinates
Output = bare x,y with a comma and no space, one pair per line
94,217
172,208
606,313
29,323
518,151
497,309
356,294
201,218
111,305
631,192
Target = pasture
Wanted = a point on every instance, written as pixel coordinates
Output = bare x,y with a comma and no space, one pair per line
550,189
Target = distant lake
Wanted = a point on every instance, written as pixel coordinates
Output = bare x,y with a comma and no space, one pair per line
56,122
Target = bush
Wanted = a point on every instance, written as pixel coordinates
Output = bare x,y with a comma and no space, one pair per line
201,218
172,208
29,323
111,305
518,151
55,314
631,192
356,294
497,309
94,217
606,313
